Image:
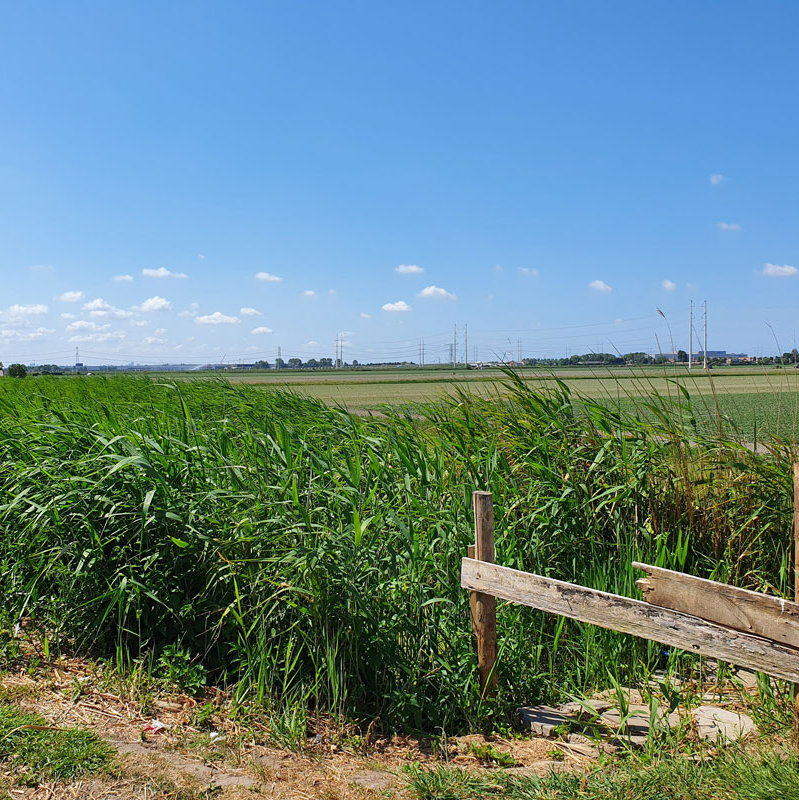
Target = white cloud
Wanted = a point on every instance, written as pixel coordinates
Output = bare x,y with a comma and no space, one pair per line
71,297
332,292
364,315
400,305
123,277
86,325
155,303
155,340
600,286
95,338
667,285
27,311
201,257
42,268
312,343
267,276
309,293
729,226
13,336
776,271
162,272
408,269
100,308
499,268
98,304
436,293
67,315
217,318
249,312
716,178
532,273
261,329
139,323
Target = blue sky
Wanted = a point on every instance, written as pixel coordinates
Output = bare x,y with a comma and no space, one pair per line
556,172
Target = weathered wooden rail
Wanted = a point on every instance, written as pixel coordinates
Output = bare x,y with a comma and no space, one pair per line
749,629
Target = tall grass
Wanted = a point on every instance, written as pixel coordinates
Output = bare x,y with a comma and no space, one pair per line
311,558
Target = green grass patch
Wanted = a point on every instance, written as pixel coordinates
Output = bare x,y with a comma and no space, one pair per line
732,775
45,752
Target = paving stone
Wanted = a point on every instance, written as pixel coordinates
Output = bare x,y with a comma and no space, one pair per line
373,779
746,678
632,696
720,724
579,711
543,720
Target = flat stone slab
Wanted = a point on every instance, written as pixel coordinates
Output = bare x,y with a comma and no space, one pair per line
543,720
719,724
580,711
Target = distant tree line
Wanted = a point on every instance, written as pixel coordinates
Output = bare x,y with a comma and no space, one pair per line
597,359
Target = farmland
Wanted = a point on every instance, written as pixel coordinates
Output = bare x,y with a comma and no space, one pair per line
308,558
753,401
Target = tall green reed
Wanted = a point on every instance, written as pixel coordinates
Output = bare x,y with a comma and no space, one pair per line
310,558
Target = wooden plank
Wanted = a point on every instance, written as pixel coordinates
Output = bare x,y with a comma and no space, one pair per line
484,606
752,612
632,616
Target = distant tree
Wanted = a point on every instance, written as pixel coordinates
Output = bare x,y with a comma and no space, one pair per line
279,363
355,362
17,371
295,363
312,363
325,362
262,365
682,355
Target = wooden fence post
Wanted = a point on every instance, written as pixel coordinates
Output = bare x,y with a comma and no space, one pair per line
796,588
484,606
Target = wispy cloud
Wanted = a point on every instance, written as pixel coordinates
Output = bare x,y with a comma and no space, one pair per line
667,285
155,303
42,268
123,277
99,338
71,297
531,273
162,272
35,310
15,336
499,268
777,271
600,286
201,257
400,305
261,329
309,293
408,269
716,178
217,318
436,293
729,226
247,311
267,276
364,315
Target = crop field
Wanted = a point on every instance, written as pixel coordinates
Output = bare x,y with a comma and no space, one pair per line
757,403
309,558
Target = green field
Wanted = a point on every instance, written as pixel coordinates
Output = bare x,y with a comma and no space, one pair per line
308,559
752,402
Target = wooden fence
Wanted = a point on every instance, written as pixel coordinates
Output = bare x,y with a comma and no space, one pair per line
749,629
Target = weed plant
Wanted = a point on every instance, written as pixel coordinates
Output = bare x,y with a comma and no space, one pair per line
310,558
